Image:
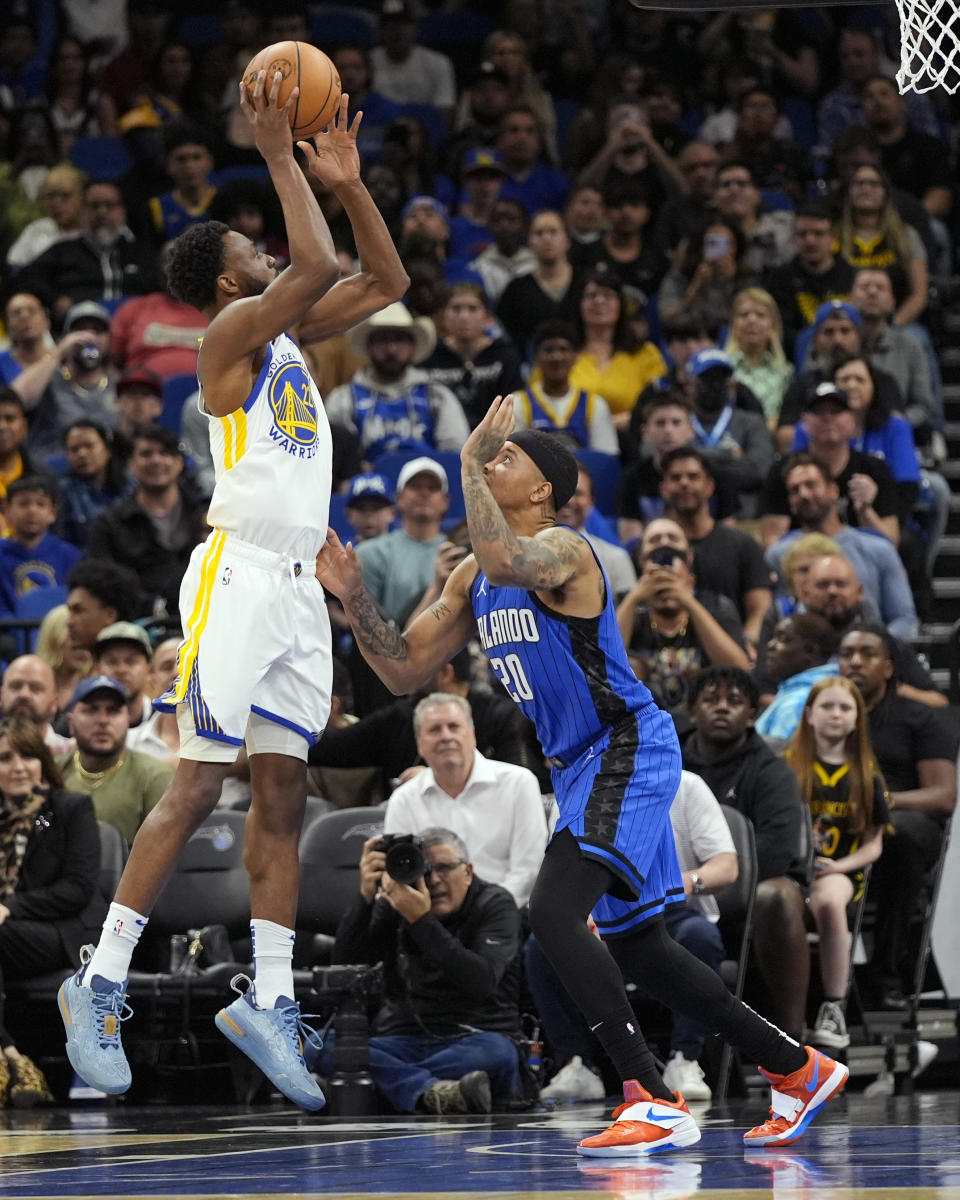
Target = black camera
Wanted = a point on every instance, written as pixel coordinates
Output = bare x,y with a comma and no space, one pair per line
664,556
406,861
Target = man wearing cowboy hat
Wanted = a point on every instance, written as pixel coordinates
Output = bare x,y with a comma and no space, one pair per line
389,404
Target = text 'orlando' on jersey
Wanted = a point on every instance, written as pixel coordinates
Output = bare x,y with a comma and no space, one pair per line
569,675
272,459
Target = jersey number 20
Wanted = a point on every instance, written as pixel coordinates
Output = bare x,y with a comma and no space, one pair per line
509,671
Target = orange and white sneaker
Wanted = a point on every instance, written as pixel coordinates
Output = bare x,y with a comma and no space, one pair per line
796,1099
642,1125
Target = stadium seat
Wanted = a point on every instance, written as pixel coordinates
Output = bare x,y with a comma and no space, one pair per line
448,31
176,389
432,119
335,24
34,606
201,30
735,902
391,464
101,157
338,517
329,866
252,171
209,885
605,471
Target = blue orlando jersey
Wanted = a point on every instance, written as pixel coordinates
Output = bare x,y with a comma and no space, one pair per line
569,675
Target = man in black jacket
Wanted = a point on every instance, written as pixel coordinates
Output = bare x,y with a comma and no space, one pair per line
450,945
104,263
741,770
154,530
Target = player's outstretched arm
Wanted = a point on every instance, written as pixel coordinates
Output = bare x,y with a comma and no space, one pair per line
402,660
381,279
541,563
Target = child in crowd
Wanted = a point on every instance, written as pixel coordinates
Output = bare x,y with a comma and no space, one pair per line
831,756
31,556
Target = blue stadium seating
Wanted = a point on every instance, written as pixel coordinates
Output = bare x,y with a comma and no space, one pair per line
101,158
605,471
175,391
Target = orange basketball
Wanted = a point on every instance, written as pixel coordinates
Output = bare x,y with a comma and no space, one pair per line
309,69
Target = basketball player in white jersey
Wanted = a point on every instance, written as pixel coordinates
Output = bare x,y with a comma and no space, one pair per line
255,663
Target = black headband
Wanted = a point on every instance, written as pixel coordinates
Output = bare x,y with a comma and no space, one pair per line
557,465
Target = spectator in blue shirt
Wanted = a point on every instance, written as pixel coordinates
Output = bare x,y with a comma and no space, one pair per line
529,179
31,556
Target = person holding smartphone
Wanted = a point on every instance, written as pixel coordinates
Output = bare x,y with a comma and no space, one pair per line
706,275
671,630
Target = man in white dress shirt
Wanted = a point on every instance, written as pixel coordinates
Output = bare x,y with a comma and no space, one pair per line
495,807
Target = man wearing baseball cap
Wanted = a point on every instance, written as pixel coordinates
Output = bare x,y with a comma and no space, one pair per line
837,333
737,441
123,651
369,505
868,495
80,384
482,174
123,784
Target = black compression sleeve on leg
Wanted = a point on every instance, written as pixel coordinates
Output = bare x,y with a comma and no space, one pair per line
672,975
567,888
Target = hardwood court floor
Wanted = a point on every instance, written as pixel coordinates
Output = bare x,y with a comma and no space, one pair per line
891,1149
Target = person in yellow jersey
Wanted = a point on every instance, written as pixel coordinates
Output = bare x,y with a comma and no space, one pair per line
255,666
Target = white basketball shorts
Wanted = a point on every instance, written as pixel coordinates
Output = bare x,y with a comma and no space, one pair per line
256,658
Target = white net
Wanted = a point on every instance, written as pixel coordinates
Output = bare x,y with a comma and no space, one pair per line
929,46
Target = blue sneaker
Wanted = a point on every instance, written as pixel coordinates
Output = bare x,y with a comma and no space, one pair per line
274,1039
92,1017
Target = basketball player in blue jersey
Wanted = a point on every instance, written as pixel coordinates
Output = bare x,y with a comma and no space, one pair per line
255,664
538,599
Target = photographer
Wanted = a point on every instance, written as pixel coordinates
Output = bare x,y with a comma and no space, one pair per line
74,382
444,1038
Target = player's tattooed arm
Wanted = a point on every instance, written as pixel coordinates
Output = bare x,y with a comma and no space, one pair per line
381,637
541,563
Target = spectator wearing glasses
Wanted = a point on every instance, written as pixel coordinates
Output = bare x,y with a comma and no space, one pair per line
450,944
767,234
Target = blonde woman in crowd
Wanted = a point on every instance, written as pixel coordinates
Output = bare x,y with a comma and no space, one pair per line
68,663
755,344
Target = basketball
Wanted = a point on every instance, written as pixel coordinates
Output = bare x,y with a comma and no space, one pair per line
306,67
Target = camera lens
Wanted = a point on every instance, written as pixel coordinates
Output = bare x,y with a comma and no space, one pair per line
89,356
405,862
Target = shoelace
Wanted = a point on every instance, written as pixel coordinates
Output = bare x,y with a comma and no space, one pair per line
297,1032
110,1004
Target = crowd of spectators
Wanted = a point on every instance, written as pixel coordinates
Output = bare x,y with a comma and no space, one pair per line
698,246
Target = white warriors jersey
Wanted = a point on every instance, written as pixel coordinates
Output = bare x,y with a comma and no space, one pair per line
273,458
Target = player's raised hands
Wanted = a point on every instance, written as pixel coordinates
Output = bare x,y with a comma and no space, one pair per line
332,156
486,441
270,121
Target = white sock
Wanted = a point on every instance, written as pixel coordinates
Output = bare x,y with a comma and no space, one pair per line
272,961
121,932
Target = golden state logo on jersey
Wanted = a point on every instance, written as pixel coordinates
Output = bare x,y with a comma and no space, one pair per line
294,410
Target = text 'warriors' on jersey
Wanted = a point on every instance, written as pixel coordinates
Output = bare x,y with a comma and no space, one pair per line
273,459
569,675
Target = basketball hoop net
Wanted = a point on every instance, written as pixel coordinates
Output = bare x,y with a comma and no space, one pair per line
929,45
